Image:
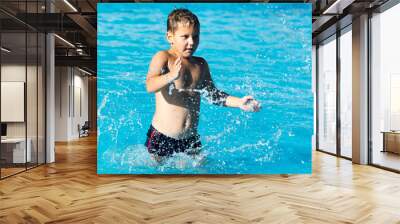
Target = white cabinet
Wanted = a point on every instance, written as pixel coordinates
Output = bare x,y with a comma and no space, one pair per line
391,141
18,149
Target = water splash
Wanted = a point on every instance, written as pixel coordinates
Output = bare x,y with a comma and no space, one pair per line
137,157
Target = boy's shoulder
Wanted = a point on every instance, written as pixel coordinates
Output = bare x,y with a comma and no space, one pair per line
161,55
200,60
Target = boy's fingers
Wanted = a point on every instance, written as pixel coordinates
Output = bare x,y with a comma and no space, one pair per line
179,64
177,61
248,97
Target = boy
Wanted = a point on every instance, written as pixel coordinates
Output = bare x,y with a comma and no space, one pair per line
177,78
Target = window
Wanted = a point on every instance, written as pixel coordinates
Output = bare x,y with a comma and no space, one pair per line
385,89
327,95
346,92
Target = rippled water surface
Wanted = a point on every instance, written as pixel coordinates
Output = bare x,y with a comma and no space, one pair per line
262,50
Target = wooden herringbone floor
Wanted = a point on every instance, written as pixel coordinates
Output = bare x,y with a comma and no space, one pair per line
69,191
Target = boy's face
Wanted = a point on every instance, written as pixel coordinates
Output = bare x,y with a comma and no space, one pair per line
184,40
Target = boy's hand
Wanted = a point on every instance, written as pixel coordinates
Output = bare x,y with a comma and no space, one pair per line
176,69
249,104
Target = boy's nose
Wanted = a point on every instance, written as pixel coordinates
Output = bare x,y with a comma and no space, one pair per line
190,40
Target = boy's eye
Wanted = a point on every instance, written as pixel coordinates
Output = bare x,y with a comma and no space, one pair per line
187,36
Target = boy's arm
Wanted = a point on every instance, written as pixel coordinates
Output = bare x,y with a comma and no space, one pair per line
213,94
221,98
154,80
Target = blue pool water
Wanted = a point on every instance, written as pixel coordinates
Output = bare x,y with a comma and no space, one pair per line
262,50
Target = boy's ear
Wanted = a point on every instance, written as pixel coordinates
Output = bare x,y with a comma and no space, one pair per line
169,37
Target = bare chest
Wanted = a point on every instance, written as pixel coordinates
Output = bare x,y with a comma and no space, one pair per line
190,76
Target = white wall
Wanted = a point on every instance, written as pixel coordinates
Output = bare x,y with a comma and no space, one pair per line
61,103
33,127
16,72
70,84
346,93
80,83
13,72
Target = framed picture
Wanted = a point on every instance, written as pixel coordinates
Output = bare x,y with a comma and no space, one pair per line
204,88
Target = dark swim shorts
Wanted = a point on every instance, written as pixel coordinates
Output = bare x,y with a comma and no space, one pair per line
162,145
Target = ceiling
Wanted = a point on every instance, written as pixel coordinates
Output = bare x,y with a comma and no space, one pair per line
73,20
331,15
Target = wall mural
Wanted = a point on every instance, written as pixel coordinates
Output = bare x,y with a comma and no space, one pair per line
188,88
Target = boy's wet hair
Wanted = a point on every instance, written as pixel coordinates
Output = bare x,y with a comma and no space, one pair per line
181,15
